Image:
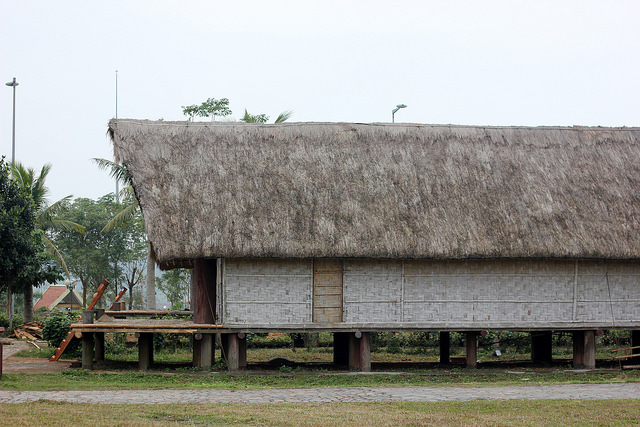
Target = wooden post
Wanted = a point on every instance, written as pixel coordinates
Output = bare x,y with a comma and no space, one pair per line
341,348
87,341
472,349
145,350
359,345
445,348
541,347
204,350
590,349
635,341
236,351
99,339
578,350
204,303
365,352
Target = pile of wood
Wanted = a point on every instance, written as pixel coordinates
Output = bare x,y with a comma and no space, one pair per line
31,331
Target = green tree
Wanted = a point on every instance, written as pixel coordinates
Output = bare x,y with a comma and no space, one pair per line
175,284
263,118
101,254
47,219
210,108
17,223
122,218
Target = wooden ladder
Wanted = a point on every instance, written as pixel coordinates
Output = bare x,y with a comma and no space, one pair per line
65,342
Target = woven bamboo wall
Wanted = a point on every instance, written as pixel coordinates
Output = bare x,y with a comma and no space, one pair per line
484,293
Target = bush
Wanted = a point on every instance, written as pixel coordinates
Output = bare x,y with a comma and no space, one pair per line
616,338
4,320
56,328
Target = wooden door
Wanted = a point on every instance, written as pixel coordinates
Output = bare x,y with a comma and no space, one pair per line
327,291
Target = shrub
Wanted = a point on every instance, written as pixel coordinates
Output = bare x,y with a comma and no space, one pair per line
4,320
616,338
57,326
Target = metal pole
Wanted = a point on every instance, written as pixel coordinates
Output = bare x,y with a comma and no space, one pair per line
13,161
117,186
13,132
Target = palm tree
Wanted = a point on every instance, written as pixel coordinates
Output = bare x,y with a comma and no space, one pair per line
47,218
263,118
120,174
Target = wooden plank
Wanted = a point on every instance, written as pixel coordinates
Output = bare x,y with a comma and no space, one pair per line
327,291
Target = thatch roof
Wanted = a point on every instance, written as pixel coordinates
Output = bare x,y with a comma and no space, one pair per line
383,190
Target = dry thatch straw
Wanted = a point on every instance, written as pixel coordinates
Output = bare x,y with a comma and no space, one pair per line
383,191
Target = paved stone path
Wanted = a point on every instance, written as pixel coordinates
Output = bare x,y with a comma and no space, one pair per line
332,394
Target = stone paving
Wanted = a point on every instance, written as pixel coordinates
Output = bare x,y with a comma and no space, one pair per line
331,394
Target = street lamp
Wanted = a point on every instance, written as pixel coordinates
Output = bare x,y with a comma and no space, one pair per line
393,112
13,84
70,286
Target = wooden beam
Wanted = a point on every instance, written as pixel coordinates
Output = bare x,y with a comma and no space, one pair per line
204,278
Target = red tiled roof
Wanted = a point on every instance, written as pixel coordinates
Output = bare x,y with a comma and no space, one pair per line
50,296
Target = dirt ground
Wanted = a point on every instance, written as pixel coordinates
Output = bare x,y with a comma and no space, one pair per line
14,365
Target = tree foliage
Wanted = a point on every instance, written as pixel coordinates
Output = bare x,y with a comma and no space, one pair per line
123,218
210,108
47,218
175,284
17,221
97,254
263,118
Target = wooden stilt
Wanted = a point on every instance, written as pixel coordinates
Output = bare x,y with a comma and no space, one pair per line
590,349
145,350
578,350
541,347
236,352
445,348
472,349
365,352
99,339
87,342
359,345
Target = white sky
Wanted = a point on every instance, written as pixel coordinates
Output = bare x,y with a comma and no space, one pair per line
462,62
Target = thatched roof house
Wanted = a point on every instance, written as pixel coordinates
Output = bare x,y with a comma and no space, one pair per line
385,191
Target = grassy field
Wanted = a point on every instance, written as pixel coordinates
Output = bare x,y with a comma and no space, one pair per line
477,413
78,379
123,375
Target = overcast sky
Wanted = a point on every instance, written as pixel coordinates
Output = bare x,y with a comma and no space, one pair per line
462,62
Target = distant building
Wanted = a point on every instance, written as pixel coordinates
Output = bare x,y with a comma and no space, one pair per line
59,296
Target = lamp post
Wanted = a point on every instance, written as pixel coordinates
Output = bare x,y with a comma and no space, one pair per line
70,286
393,112
13,84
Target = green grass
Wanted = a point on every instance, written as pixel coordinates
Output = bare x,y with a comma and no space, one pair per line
477,413
78,379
